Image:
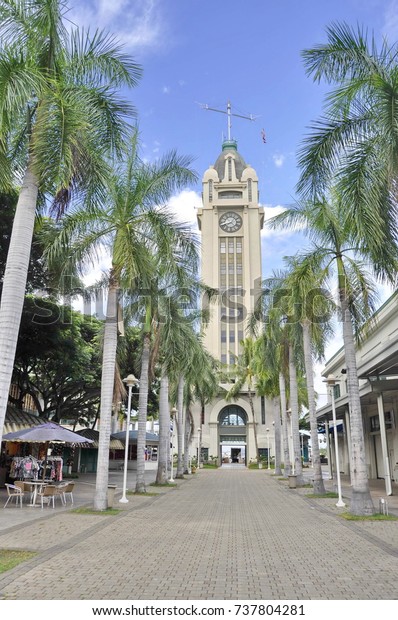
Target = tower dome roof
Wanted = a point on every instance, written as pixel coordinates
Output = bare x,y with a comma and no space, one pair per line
230,146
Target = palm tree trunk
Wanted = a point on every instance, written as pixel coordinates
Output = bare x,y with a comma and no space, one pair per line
14,284
107,384
180,427
287,467
361,501
254,423
298,465
142,415
319,487
277,435
164,430
187,434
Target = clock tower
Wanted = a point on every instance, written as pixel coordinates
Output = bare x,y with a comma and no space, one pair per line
230,222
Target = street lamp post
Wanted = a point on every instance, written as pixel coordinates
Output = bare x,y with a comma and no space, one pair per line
291,448
331,381
267,431
172,417
199,431
129,381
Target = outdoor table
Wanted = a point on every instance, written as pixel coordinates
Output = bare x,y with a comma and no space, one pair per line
38,485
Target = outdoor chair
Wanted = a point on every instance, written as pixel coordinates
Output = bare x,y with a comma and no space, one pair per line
48,495
68,490
14,491
60,490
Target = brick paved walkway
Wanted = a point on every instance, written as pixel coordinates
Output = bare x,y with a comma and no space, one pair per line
224,534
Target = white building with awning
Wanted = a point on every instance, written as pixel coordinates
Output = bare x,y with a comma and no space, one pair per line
377,362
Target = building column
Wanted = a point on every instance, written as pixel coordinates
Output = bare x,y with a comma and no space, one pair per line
328,451
250,443
384,450
214,440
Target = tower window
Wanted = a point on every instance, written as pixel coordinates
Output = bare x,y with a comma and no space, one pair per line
210,190
249,190
229,168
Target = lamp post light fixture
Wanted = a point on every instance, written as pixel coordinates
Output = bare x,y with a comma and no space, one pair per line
172,417
267,431
130,381
331,382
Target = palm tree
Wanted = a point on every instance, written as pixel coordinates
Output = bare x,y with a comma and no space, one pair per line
312,306
268,386
336,253
180,348
60,119
164,429
355,143
132,229
244,372
275,347
201,385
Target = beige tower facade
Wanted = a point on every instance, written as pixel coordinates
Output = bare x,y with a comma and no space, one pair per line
230,222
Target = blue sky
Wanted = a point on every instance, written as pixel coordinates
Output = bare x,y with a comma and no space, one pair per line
209,51
212,51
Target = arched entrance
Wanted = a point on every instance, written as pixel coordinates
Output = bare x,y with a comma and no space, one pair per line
232,421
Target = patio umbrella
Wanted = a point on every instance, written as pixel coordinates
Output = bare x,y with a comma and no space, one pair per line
46,433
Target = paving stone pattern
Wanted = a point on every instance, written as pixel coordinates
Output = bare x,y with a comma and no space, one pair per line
224,534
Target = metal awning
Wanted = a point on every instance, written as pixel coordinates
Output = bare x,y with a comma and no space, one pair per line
17,420
150,438
93,435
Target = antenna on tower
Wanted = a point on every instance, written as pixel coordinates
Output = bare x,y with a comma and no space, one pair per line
228,112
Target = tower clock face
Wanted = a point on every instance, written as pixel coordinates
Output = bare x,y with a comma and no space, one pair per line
230,222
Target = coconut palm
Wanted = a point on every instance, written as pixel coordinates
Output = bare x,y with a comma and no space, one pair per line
244,372
335,252
267,385
201,385
312,305
180,349
132,229
274,346
153,303
60,119
164,429
355,143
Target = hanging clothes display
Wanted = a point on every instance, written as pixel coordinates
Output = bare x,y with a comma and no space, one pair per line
53,465
24,467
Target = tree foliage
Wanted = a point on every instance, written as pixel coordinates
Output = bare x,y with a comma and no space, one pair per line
58,361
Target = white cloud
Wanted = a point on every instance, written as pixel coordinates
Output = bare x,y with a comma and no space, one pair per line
166,90
138,25
270,212
279,160
185,205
